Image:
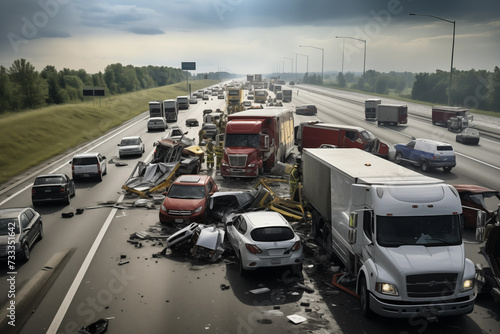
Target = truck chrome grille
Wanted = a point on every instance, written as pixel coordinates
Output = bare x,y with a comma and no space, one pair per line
431,285
237,160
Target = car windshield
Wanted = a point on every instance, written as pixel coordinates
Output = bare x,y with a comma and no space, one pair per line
367,135
9,225
128,142
278,233
242,140
186,191
49,180
418,230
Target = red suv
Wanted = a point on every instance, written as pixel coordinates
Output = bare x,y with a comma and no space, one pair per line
187,199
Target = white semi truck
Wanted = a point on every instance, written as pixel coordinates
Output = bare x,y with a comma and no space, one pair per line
396,232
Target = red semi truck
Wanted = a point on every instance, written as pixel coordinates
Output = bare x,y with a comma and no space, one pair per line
315,134
255,141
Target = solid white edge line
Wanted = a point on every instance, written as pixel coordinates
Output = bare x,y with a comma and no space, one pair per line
56,322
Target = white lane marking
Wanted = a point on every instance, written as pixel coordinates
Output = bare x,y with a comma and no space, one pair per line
56,322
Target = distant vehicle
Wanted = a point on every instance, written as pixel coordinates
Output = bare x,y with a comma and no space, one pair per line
170,111
52,187
468,136
182,102
279,95
442,114
306,109
210,131
371,108
287,95
88,165
132,145
24,226
426,154
475,197
394,114
193,100
206,97
192,122
157,123
220,96
207,111
263,239
247,103
260,96
186,200
155,109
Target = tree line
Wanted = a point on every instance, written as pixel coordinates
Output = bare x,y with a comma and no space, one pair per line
23,87
474,89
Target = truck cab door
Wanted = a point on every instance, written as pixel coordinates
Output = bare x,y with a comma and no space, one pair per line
360,218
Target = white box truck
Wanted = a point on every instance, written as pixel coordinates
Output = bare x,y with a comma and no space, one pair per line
170,110
393,114
371,108
396,232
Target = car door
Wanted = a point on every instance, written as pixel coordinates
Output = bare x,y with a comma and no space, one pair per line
28,228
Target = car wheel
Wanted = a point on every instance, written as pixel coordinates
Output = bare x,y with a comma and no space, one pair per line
424,166
105,170
35,203
67,200
364,299
397,159
446,169
25,256
40,233
99,178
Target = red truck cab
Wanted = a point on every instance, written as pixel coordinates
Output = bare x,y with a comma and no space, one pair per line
256,140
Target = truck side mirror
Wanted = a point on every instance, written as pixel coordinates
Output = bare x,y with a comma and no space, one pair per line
480,225
353,224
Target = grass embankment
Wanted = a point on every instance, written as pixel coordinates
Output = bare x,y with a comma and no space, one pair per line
30,137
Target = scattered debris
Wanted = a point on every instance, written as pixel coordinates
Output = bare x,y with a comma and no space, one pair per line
123,262
98,327
67,214
224,287
296,319
305,288
79,211
304,304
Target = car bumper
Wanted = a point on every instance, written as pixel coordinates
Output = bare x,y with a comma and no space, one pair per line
252,262
134,152
59,197
442,307
166,218
437,164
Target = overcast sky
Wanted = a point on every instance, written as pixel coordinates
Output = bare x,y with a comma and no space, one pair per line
251,36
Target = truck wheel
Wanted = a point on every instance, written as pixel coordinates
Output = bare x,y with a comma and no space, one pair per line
378,123
364,298
424,166
446,169
397,159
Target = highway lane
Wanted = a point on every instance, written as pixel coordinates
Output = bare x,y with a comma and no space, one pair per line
141,301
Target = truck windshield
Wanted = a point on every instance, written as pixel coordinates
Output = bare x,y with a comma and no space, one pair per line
418,230
242,140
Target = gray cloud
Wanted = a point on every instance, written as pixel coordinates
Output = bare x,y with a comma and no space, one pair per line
146,31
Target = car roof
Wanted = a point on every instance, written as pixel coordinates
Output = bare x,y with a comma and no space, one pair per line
430,141
50,175
156,118
10,212
193,179
131,137
87,154
265,219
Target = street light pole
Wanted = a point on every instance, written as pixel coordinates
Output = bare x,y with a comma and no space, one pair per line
452,48
364,58
291,72
322,57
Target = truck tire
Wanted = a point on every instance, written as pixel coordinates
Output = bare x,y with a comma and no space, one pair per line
424,166
447,169
364,298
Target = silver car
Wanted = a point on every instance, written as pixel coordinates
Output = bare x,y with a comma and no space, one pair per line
131,146
263,239
157,123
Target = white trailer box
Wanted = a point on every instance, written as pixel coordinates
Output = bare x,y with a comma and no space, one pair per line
392,114
396,231
371,108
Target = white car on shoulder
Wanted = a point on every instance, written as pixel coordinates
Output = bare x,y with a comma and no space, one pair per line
264,239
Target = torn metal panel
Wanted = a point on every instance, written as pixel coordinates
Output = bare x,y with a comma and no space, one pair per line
146,178
182,235
221,204
208,242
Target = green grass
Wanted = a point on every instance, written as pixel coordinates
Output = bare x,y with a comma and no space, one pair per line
31,137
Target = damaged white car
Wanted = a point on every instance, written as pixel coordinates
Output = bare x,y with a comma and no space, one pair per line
207,240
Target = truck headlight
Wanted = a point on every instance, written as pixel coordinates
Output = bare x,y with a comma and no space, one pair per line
468,285
251,165
198,209
386,289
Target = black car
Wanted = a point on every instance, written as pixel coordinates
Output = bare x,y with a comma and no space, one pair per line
52,187
192,122
20,228
468,136
210,131
207,111
306,109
